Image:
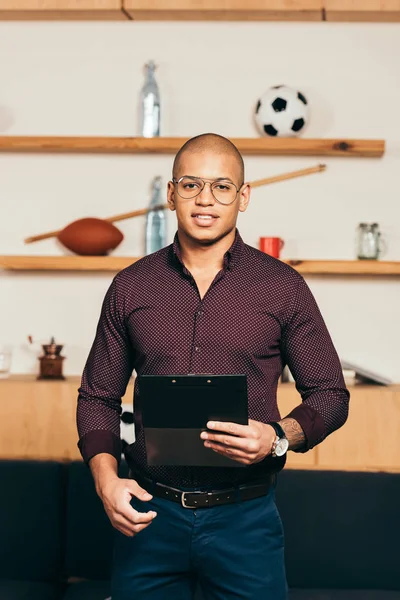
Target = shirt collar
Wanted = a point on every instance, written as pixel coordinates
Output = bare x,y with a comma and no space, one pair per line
231,256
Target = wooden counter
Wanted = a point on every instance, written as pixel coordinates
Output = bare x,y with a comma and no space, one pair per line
38,420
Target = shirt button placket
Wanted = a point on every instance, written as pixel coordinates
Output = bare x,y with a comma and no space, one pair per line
197,347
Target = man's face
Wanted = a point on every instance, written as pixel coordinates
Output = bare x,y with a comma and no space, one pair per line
209,166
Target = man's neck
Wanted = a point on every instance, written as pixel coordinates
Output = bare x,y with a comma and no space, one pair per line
203,257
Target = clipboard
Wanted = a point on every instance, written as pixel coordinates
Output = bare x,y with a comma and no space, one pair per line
174,409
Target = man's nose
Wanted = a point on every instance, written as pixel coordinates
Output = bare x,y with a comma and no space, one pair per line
205,196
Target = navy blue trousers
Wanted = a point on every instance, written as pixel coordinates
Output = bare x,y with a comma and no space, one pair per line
234,552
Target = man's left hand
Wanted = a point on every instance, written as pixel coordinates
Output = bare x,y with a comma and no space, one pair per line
247,444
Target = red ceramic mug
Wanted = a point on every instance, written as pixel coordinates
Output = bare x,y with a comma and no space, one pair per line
271,245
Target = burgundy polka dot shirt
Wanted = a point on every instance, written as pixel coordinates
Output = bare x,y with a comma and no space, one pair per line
257,316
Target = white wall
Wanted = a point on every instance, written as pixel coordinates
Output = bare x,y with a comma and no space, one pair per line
84,79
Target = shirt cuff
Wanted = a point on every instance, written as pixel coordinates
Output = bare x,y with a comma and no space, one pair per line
98,441
311,423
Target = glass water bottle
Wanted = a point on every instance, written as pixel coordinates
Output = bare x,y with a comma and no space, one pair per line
150,104
156,229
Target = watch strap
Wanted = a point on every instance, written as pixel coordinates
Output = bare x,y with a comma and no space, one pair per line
278,429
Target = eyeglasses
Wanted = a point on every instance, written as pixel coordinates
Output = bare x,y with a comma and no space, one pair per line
224,191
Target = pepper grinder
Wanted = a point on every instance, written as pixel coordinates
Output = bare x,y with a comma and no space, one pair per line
51,361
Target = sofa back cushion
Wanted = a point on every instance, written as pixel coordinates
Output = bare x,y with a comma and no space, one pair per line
89,543
341,528
31,529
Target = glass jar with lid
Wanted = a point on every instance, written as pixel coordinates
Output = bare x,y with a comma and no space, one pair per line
369,241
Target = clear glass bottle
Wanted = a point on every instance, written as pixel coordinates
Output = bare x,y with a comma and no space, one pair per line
150,104
156,227
369,243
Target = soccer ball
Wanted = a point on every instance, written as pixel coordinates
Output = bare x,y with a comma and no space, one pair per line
281,112
127,421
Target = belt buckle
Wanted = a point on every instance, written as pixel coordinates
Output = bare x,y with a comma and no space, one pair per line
183,499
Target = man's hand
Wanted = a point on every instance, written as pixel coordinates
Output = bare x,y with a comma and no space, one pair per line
116,495
247,444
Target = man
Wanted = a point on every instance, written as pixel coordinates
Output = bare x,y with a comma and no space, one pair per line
208,303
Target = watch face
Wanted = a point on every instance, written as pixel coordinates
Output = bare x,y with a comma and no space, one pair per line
281,447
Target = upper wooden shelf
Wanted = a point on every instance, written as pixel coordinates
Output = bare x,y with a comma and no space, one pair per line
204,10
225,10
116,263
168,145
60,10
264,10
362,10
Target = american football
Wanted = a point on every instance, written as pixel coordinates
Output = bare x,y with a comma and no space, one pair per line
90,237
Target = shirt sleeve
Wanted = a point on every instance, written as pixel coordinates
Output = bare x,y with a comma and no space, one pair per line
104,380
309,352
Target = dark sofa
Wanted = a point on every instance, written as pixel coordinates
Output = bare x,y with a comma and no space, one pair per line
342,533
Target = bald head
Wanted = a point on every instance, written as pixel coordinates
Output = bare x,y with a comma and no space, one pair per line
209,142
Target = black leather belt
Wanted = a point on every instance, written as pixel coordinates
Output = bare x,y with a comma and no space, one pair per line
207,499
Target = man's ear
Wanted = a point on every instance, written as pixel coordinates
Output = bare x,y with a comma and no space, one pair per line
171,195
244,197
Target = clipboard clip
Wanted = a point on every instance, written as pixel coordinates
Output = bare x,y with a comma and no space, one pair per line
208,380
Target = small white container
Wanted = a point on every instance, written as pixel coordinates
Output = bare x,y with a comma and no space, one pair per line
5,360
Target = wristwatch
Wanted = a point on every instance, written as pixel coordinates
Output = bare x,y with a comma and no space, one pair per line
281,443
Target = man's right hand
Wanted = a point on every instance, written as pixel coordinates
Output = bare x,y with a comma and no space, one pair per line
116,495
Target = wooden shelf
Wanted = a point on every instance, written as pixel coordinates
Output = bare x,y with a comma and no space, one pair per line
201,10
65,263
345,267
168,145
264,10
116,263
362,10
225,10
61,10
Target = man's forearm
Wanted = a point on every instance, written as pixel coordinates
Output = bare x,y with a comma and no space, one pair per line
293,432
104,467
